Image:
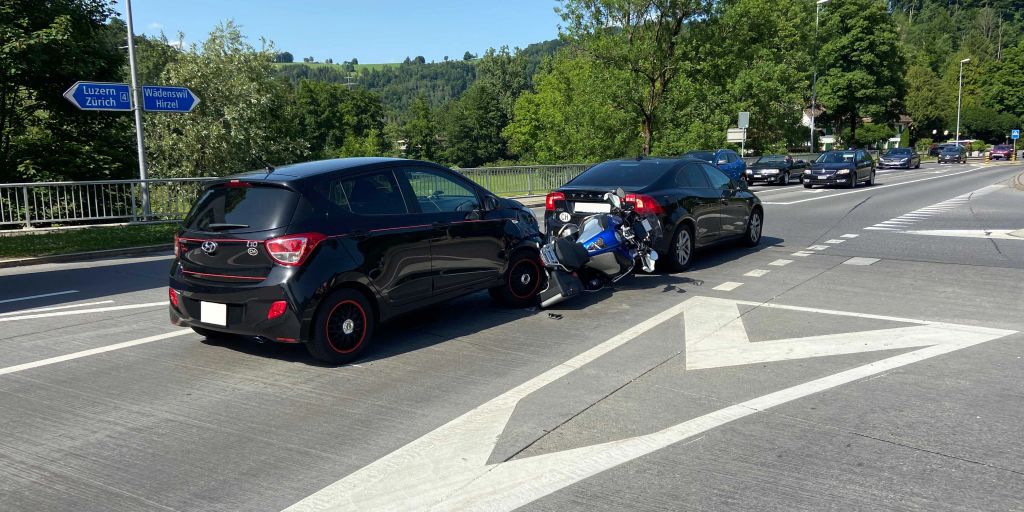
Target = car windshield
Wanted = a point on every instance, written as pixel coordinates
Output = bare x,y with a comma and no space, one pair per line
628,174
1002,147
950,149
707,156
898,152
837,157
771,158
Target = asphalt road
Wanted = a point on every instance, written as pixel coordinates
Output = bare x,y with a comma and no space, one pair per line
867,356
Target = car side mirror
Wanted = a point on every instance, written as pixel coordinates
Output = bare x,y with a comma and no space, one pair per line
490,203
723,161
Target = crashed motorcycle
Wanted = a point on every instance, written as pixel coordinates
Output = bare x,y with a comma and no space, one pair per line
601,251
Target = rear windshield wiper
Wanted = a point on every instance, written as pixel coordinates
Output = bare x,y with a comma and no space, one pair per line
225,225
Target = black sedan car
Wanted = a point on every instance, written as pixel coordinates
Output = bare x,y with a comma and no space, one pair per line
953,153
901,158
697,203
320,252
778,169
841,168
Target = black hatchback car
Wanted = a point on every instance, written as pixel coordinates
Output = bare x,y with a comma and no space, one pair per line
953,153
320,252
697,203
842,168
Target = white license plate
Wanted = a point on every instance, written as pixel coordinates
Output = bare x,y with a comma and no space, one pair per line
592,208
822,177
213,313
757,175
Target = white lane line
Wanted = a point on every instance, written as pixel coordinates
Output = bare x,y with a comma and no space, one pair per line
834,241
447,469
802,254
849,235
727,286
876,228
83,311
817,248
757,273
876,187
69,306
91,352
780,263
861,261
30,297
997,234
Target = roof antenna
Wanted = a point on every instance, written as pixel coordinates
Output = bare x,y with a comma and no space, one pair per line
269,168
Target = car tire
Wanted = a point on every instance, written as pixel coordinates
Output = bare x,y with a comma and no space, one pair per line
342,328
785,178
681,249
918,166
852,183
752,236
871,179
521,283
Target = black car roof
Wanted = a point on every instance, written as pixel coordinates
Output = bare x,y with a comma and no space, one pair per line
295,172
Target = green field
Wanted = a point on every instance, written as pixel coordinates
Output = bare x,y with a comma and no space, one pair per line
340,67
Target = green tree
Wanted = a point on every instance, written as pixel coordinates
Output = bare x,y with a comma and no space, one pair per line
506,73
572,115
644,38
927,100
332,116
44,48
421,132
473,127
244,119
861,65
1003,82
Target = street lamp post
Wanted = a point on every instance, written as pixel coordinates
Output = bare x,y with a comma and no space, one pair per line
814,79
959,98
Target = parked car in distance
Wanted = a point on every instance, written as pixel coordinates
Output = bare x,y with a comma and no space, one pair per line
936,149
725,159
903,158
843,168
778,169
953,153
1001,152
698,205
321,252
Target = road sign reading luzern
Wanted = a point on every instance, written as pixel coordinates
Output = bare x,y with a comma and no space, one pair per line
100,96
161,98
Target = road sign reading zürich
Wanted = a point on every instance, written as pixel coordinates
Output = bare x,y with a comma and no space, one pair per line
100,96
160,98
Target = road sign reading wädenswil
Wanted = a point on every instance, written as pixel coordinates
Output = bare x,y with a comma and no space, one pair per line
161,98
100,96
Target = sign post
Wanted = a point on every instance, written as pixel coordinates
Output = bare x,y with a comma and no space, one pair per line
743,123
139,138
1015,134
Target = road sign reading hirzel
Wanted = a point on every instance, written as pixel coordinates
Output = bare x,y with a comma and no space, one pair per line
100,96
160,98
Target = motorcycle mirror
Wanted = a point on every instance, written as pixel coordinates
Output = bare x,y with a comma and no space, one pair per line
619,192
613,199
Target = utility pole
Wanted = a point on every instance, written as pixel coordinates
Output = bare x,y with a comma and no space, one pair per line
137,107
814,80
959,99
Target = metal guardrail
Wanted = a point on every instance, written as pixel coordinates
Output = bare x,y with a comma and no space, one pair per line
85,202
96,202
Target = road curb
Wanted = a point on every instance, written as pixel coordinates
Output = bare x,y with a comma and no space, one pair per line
1018,182
86,256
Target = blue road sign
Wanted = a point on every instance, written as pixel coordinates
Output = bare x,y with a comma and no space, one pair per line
100,96
160,98
1015,134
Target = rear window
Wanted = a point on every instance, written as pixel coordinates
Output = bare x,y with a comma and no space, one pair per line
950,149
242,209
629,174
706,156
837,157
899,151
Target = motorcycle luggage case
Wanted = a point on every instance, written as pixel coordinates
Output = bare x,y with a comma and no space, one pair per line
561,286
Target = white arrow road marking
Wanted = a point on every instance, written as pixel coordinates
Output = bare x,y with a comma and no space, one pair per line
83,311
447,469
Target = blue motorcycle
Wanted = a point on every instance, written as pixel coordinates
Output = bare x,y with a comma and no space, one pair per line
602,250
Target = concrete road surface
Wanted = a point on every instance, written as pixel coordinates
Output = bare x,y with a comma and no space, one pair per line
867,355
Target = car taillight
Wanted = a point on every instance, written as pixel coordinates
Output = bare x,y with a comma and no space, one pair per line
549,202
238,184
292,250
173,296
277,309
644,204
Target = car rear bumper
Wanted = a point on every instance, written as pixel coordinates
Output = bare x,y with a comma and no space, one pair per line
828,180
247,309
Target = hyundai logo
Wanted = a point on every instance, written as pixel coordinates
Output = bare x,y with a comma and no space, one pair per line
209,247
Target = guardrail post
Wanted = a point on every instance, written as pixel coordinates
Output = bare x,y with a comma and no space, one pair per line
135,217
28,215
529,182
487,178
